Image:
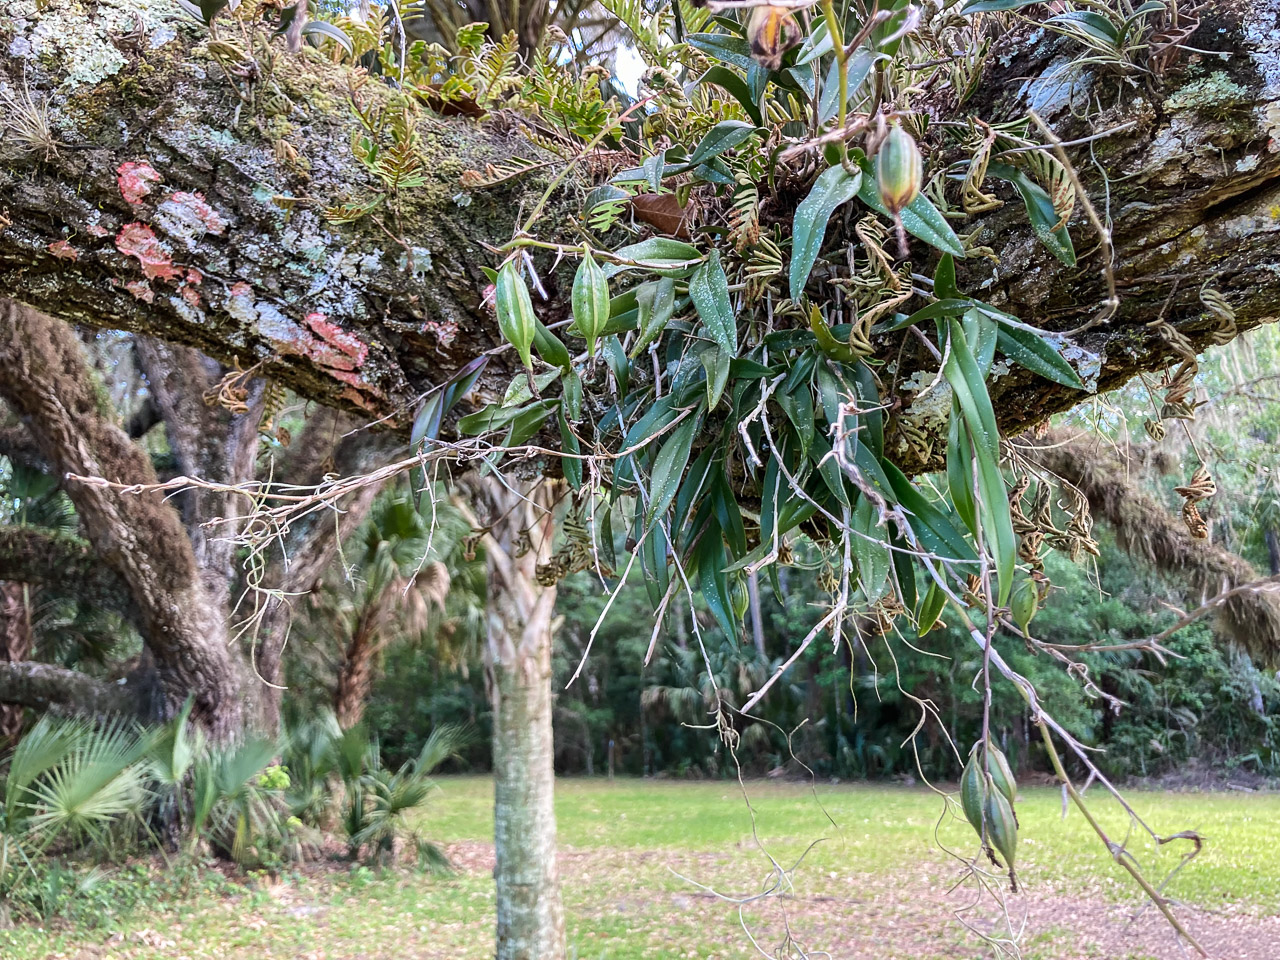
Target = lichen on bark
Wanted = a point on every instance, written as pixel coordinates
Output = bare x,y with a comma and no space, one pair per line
1185,173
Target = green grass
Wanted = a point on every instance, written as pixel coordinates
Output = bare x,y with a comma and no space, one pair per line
877,878
876,827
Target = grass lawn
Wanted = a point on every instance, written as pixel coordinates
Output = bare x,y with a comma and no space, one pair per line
640,862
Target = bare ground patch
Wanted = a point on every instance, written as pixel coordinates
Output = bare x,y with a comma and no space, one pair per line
908,914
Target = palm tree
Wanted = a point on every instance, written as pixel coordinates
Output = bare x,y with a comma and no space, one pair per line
332,769
698,692
66,781
396,587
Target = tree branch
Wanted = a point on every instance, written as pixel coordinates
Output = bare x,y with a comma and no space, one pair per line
17,445
208,442
344,317
37,556
45,687
44,379
1150,531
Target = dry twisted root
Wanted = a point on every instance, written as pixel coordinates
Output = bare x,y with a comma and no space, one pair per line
1200,487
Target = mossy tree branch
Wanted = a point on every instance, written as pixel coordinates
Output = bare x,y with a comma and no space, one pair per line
40,557
1153,532
45,687
44,380
176,210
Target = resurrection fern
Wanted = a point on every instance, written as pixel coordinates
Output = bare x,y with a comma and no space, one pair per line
496,69
571,104
744,215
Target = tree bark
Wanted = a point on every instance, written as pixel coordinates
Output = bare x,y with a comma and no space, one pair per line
355,674
140,224
31,555
44,379
329,443
15,647
45,687
209,442
17,445
518,672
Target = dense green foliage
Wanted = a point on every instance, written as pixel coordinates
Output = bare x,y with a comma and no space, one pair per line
1212,704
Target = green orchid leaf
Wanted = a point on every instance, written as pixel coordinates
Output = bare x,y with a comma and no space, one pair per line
834,187
709,291
1037,355
1040,212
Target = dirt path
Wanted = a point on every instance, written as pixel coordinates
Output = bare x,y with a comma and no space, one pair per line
911,915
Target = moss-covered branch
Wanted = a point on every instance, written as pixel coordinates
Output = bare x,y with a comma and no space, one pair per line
36,556
46,687
44,379
167,204
1150,531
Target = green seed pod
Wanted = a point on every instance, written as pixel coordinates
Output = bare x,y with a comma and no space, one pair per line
1002,775
974,787
1002,829
740,597
899,169
590,301
973,792
516,318
1024,603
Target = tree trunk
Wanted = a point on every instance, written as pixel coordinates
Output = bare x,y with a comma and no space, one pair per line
518,668
355,674
43,377
209,442
329,443
15,647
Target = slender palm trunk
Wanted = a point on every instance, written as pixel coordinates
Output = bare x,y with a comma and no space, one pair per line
518,665
355,675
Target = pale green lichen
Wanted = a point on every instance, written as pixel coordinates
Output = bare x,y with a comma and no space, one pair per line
76,38
1214,92
1088,365
419,266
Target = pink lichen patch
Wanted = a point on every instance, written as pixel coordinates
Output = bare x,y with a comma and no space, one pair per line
241,289
194,276
444,330
135,180
356,397
188,217
63,250
324,343
347,353
326,355
142,290
137,240
358,391
96,230
190,294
